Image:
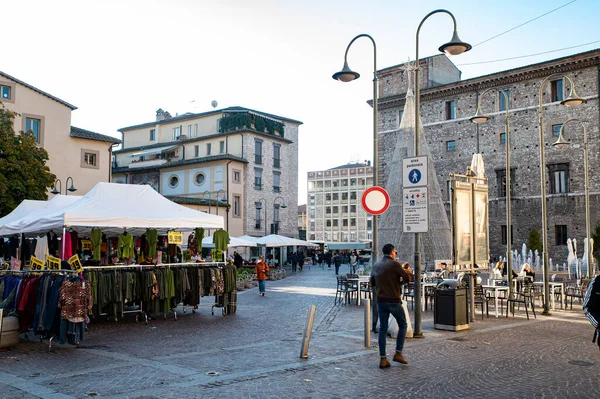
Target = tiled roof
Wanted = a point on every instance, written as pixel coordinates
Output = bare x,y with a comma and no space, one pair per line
351,165
190,115
38,90
80,133
125,169
196,201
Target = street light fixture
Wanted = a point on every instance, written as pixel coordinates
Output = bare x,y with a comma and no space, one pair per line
348,75
561,142
72,188
282,206
59,191
54,190
218,199
454,47
209,199
571,101
479,118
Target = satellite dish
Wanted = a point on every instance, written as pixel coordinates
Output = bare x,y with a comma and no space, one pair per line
214,104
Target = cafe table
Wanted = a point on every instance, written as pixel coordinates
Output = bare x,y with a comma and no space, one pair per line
497,289
553,286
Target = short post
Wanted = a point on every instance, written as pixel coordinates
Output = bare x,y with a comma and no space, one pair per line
367,305
307,332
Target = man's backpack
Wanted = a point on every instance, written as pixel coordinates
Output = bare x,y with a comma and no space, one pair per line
591,306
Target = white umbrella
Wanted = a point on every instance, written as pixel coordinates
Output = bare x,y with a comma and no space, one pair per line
275,240
207,242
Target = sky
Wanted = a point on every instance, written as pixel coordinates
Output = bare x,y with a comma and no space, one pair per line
119,61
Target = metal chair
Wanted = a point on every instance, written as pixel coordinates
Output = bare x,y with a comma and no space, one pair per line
341,290
524,296
481,298
409,293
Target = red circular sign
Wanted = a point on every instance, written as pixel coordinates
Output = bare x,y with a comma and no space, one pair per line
375,200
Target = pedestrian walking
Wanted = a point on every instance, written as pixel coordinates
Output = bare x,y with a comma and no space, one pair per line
294,259
238,261
337,261
353,262
328,259
387,278
262,274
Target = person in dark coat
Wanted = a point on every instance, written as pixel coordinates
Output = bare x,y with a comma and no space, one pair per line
238,261
294,259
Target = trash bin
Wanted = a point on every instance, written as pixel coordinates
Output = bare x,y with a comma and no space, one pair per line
450,308
232,302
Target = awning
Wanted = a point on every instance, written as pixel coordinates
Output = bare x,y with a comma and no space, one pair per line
151,151
346,245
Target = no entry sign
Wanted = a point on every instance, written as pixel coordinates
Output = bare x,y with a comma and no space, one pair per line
375,200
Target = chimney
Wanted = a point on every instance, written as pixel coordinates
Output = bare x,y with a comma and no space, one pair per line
368,163
160,114
167,115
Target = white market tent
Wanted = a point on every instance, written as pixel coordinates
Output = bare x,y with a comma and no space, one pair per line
22,210
275,240
207,242
117,207
52,205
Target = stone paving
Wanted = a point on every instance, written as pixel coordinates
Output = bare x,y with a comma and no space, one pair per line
256,354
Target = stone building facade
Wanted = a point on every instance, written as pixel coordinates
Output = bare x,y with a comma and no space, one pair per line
447,105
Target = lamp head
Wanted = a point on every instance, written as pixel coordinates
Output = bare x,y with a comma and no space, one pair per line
561,142
346,74
72,188
259,206
455,46
55,191
283,206
573,100
479,118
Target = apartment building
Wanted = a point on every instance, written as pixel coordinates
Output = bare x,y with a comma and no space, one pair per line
334,210
237,162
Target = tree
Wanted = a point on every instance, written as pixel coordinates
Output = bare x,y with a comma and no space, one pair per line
534,241
24,173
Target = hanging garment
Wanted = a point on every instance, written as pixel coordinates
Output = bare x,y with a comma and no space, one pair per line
75,300
125,246
52,243
75,246
152,238
67,246
96,237
199,236
221,240
41,249
193,244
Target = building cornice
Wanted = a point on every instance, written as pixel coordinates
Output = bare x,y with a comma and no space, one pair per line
536,72
185,162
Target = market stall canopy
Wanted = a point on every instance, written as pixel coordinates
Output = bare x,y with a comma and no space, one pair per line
53,205
207,242
275,240
22,210
117,207
249,238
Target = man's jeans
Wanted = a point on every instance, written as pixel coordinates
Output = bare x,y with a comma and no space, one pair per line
395,309
262,285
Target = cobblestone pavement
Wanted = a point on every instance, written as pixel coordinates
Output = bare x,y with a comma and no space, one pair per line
256,354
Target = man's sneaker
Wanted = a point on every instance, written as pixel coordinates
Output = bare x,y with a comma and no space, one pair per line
384,363
399,358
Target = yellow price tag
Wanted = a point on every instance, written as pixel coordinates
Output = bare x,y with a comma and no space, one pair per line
53,262
87,245
75,263
6,266
175,237
37,264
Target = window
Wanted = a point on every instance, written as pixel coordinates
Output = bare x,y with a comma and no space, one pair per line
152,134
335,209
450,110
501,182
5,92
352,208
196,130
335,236
89,159
353,195
559,178
276,156
328,223
173,181
236,205
556,130
503,234
221,147
189,130
400,115
556,90
312,213
345,210
336,196
236,176
502,100
449,189
560,234
34,126
328,197
208,148
258,152
344,196
450,146
199,178
344,222
176,132
328,210
352,222
503,138
196,151
369,224
257,214
276,178
335,223
276,214
258,179
312,199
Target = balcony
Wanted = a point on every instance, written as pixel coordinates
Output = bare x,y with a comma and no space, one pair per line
150,162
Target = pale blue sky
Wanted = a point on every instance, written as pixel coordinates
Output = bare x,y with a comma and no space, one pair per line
119,61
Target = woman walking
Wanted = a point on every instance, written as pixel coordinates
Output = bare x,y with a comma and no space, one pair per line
261,270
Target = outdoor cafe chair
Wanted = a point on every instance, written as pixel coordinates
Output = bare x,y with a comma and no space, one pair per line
523,296
429,295
576,292
353,287
341,293
482,298
409,293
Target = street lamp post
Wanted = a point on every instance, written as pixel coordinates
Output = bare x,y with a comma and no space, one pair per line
348,75
217,199
572,101
265,201
209,199
71,189
282,206
481,118
454,47
561,142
